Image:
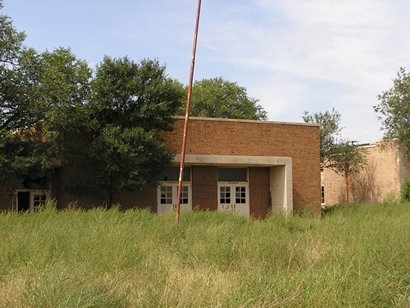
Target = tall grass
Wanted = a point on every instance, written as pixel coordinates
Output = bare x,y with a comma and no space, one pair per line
354,256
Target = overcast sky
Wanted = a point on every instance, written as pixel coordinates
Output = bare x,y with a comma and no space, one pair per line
292,55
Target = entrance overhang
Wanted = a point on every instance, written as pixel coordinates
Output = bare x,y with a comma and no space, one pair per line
281,187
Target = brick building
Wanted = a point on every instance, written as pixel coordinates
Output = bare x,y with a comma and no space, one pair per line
386,171
249,167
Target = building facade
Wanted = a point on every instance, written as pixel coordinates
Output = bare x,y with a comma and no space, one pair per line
243,166
383,177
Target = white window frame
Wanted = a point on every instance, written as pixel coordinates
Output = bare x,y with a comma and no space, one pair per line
33,193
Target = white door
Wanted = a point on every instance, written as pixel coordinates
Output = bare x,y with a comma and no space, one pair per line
233,197
168,196
30,199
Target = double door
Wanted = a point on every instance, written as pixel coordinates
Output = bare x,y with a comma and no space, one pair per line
29,199
168,196
233,197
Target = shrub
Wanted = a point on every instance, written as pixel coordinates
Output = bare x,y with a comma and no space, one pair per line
405,193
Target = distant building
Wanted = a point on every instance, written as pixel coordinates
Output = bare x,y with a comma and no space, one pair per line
383,177
244,166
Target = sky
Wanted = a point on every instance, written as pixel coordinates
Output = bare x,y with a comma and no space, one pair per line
291,55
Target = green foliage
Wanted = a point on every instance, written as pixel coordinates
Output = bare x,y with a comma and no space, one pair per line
329,122
130,104
394,110
219,98
335,153
52,108
133,94
348,158
356,256
405,193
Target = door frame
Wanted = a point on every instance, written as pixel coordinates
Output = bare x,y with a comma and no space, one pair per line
33,193
167,208
232,206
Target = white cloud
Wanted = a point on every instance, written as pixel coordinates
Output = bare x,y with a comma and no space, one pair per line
358,45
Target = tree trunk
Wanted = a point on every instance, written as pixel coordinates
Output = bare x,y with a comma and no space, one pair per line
347,182
110,198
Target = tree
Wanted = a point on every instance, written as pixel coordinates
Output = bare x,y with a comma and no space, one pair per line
337,154
130,105
330,139
394,110
21,153
348,159
52,108
218,98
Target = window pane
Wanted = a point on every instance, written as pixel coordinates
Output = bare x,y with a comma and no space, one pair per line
166,194
225,195
232,174
172,174
240,195
184,195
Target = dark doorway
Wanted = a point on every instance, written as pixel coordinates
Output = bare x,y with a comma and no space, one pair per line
23,198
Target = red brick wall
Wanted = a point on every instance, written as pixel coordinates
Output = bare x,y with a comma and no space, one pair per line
64,195
146,198
204,188
5,199
259,192
257,138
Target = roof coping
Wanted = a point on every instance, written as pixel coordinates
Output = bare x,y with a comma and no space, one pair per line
246,121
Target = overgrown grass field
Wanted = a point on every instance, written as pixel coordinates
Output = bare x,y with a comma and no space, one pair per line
353,256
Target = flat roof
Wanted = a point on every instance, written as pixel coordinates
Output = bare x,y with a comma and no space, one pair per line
247,121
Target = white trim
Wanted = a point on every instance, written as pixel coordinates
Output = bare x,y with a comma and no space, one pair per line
32,193
281,182
233,206
166,208
234,160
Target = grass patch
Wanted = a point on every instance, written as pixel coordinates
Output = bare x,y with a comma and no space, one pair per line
353,256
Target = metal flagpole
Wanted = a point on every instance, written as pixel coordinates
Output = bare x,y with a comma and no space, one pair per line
188,107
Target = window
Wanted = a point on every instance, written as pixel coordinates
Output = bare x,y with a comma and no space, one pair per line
322,195
39,200
225,195
166,194
184,195
232,174
240,194
171,174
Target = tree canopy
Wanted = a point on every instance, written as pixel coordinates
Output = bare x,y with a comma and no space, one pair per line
340,155
219,98
394,110
131,103
52,107
330,138
106,121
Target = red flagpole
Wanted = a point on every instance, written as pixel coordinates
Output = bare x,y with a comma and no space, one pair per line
188,107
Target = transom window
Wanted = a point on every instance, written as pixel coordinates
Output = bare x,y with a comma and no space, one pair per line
232,174
171,174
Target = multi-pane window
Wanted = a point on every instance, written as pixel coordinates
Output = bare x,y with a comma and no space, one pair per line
225,195
184,195
240,194
39,200
166,194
